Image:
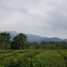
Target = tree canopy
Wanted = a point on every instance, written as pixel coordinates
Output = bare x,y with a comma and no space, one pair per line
4,40
19,41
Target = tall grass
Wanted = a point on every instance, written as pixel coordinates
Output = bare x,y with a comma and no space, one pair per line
33,58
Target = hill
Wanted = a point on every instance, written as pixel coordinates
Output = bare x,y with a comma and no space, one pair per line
36,38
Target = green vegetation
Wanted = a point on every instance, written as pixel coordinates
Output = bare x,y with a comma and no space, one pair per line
20,42
33,58
4,40
17,52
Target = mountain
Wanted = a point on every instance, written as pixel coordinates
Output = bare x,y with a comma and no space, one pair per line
54,39
13,33
65,40
35,38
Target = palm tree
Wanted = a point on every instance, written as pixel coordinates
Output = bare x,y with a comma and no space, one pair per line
19,41
4,40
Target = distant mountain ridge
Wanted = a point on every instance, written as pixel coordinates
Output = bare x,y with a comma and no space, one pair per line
35,38
13,33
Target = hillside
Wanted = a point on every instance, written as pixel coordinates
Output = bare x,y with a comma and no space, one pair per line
36,38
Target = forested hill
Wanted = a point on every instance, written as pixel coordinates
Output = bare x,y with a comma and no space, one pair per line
36,38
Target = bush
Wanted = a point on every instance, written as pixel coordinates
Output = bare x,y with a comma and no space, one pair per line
24,61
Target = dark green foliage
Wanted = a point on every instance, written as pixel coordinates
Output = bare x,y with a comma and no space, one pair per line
23,62
4,40
29,57
33,58
49,45
28,60
64,58
19,42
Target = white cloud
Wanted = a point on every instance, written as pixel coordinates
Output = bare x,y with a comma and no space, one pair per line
40,17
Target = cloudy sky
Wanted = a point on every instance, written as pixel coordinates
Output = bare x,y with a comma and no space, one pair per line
46,18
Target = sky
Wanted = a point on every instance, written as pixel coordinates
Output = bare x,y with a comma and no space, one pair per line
47,18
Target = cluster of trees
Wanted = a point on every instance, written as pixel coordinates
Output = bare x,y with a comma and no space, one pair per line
20,42
50,45
4,40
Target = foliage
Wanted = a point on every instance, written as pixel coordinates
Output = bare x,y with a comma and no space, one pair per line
49,45
19,41
4,40
33,58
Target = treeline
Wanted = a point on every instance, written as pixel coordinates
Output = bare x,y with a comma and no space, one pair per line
20,42
50,45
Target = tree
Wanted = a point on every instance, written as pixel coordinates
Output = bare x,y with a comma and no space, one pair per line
4,40
19,41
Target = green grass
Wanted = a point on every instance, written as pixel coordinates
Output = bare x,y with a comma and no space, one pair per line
33,58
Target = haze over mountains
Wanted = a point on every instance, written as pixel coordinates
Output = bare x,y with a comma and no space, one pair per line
35,38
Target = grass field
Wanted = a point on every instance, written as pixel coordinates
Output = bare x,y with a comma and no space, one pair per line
33,58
